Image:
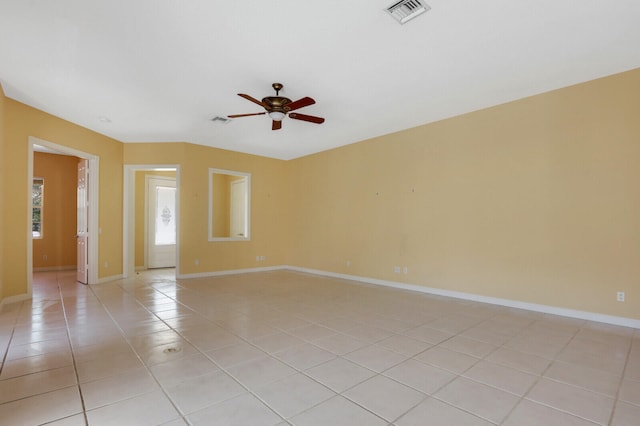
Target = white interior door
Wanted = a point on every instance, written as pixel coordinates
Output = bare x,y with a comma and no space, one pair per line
82,234
238,213
161,222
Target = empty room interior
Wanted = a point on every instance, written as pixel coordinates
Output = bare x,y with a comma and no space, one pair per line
275,213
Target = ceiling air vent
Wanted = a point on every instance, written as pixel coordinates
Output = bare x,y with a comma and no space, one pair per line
406,10
221,120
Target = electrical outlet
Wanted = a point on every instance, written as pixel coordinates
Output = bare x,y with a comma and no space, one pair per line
405,270
106,263
620,296
45,257
196,262
396,269
348,263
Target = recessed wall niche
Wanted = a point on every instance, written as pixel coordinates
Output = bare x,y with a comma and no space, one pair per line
229,205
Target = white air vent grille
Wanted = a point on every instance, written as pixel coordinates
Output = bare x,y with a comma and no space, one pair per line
406,10
221,120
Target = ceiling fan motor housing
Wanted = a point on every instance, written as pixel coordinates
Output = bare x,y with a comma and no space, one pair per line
276,103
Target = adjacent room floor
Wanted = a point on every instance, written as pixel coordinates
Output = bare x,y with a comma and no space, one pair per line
282,348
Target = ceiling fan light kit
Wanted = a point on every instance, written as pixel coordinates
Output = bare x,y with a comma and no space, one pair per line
278,107
276,115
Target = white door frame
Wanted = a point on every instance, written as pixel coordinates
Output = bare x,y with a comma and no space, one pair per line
129,209
82,222
94,163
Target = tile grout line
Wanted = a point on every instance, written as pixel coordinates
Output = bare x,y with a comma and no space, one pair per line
220,367
248,339
224,370
459,375
201,352
13,331
620,382
73,356
531,323
376,373
540,376
375,343
108,312
298,371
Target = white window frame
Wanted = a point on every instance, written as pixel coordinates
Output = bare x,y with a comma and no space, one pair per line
39,235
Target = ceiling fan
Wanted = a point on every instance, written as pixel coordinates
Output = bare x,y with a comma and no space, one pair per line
277,107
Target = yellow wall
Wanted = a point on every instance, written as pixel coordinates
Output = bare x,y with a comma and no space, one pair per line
2,202
270,214
58,242
536,200
140,212
23,121
221,208
221,200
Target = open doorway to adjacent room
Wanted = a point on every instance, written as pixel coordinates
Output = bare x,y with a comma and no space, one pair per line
58,176
151,212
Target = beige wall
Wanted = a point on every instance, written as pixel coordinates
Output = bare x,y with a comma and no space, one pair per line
2,201
536,200
58,242
141,220
220,208
21,122
270,214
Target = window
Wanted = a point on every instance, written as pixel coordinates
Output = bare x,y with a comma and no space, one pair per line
37,194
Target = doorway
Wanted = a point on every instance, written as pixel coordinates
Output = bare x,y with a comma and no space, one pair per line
160,181
160,203
91,189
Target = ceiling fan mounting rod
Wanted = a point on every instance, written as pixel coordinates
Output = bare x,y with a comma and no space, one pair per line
277,87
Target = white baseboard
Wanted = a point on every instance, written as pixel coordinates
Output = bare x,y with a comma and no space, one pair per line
56,268
231,272
110,278
14,299
565,312
535,307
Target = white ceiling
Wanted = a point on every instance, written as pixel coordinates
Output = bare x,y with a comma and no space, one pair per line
159,70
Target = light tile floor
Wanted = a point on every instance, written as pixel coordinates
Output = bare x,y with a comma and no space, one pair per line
282,348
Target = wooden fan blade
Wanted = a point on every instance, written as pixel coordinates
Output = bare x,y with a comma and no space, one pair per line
245,115
249,98
277,125
306,101
309,118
